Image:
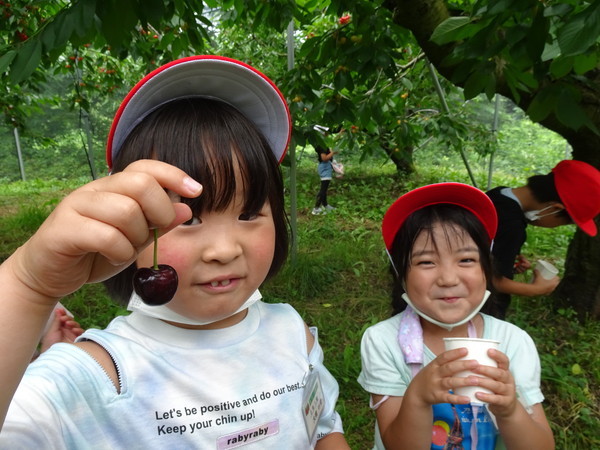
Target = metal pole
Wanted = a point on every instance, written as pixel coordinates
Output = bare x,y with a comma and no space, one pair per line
89,152
19,154
440,92
292,153
494,131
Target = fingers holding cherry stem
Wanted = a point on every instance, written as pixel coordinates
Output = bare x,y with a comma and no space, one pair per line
155,285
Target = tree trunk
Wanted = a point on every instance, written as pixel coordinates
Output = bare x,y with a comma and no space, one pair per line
402,157
580,286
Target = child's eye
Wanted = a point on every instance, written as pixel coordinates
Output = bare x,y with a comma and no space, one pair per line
248,216
469,260
193,221
423,263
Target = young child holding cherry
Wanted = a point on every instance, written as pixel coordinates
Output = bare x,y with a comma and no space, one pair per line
193,152
438,238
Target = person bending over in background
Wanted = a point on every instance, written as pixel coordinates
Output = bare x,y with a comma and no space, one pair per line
569,194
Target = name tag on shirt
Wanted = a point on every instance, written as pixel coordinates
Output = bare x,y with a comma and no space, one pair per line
313,403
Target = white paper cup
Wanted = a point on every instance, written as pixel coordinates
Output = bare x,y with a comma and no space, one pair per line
477,350
546,270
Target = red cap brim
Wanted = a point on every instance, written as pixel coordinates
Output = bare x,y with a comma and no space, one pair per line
578,186
225,79
463,195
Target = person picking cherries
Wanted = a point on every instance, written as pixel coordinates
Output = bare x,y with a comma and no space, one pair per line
201,361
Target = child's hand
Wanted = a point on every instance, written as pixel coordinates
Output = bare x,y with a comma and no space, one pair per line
99,229
62,329
543,285
433,383
522,264
503,401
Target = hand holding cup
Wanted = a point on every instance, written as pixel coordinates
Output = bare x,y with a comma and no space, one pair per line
477,350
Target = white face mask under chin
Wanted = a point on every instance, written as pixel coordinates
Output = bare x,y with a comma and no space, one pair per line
163,312
448,326
534,215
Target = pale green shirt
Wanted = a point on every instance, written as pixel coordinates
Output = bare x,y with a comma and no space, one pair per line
384,371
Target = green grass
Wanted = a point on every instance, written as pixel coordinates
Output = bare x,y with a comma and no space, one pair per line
339,282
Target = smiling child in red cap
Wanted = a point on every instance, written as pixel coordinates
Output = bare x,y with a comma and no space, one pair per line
569,194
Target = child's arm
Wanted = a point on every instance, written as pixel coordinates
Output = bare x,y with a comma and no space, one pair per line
95,232
519,429
333,441
539,286
405,422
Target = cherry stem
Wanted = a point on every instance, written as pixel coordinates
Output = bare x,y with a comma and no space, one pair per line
155,249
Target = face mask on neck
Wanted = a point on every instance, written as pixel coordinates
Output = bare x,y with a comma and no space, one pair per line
163,312
448,326
534,215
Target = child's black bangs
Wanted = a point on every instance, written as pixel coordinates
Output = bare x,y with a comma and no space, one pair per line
221,176
224,157
216,145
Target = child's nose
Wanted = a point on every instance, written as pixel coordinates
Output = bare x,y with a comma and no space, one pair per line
222,246
448,276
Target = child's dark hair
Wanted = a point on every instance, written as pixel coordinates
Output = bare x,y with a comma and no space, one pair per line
544,190
208,139
450,217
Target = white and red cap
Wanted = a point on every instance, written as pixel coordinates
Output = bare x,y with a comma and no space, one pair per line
459,194
218,77
578,186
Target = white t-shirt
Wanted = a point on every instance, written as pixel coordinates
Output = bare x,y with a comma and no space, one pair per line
384,371
240,386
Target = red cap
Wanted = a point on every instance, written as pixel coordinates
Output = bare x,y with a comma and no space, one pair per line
578,186
225,79
459,194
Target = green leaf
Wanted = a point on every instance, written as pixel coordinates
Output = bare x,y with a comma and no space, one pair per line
152,11
62,28
6,59
585,63
536,37
561,66
542,104
83,13
476,83
500,6
449,30
26,61
557,10
48,37
490,88
551,51
569,111
580,32
117,21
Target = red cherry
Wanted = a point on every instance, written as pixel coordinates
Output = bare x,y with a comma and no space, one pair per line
155,286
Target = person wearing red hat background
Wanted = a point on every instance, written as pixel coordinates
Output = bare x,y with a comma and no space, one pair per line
569,194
